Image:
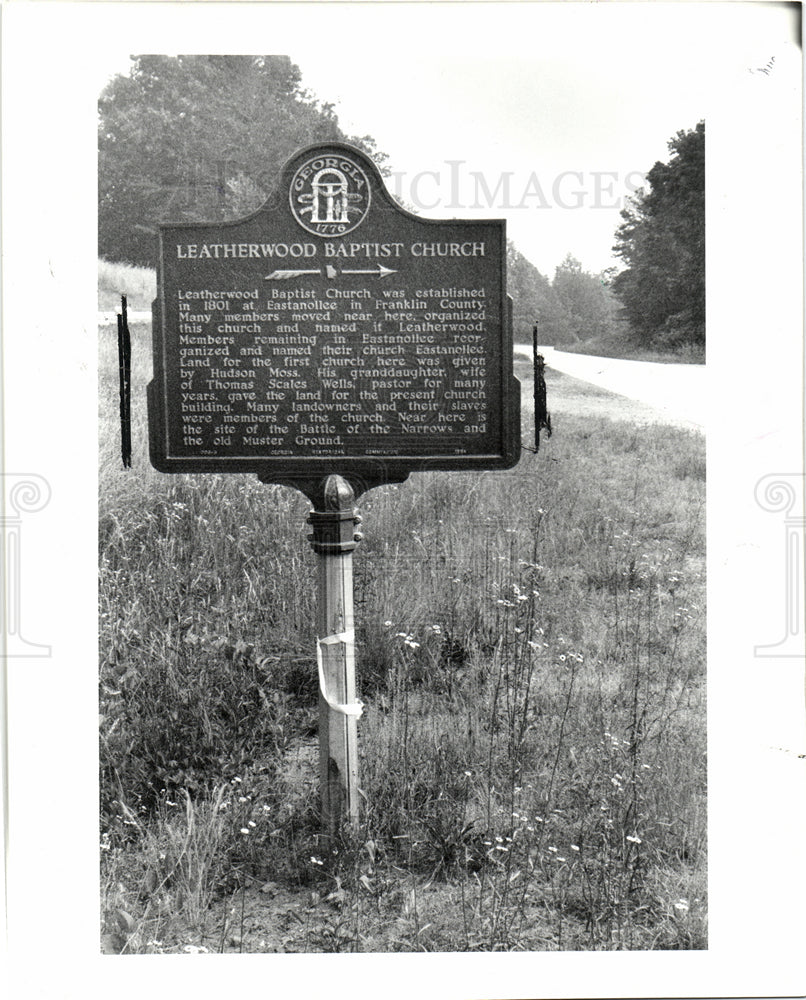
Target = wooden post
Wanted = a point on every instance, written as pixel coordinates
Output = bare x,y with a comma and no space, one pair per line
333,538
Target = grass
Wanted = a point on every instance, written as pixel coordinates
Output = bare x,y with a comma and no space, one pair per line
623,347
138,284
531,656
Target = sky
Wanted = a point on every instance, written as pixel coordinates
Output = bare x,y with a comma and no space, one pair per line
553,129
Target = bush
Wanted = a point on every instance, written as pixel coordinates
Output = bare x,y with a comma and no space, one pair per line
202,713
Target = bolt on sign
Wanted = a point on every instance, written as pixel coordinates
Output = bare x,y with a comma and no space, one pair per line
333,332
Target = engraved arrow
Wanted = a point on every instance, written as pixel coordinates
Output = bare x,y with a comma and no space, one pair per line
331,272
380,270
284,275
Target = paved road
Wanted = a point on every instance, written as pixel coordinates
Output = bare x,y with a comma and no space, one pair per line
678,391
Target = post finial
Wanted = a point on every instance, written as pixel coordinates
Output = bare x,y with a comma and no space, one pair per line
338,494
334,518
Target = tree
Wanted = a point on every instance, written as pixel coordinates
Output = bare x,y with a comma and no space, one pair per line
534,299
199,138
662,242
587,300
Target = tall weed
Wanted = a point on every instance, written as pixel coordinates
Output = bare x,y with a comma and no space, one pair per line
531,655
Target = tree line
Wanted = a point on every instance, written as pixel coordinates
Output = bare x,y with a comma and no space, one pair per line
199,138
662,243
202,138
576,307
658,299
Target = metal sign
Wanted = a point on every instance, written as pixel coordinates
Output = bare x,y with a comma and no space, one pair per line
333,332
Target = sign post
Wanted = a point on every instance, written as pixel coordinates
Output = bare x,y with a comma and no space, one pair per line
333,342
334,536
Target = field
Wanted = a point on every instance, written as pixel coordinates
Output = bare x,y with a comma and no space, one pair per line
531,655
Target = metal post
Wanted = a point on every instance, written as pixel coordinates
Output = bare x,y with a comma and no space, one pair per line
333,538
536,384
542,416
125,366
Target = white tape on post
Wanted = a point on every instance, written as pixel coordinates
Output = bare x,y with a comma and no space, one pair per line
357,707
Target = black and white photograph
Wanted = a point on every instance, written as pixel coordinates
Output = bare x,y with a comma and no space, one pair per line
404,494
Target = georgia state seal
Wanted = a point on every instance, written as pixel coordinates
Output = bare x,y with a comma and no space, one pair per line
329,195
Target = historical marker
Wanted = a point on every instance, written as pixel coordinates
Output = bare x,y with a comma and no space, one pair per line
332,342
333,332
